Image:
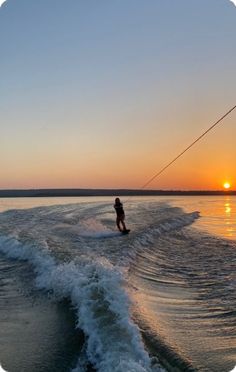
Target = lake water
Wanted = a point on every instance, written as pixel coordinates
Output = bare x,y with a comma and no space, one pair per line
77,295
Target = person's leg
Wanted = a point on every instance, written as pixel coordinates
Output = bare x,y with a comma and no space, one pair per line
123,224
118,223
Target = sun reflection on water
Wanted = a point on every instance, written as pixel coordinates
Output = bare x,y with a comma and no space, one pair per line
227,209
217,213
228,218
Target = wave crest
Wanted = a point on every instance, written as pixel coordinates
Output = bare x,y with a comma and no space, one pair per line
97,292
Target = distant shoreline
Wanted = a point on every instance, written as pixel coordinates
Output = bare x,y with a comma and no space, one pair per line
107,192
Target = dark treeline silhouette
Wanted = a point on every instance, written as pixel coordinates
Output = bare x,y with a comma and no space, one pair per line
106,192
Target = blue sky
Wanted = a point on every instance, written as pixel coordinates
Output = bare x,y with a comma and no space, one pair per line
104,93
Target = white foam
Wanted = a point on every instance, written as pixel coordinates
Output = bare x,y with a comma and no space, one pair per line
1,369
93,228
97,289
97,292
234,2
1,3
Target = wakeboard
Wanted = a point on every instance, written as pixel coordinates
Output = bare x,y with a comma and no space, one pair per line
124,232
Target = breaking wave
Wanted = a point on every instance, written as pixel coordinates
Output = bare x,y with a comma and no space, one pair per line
93,275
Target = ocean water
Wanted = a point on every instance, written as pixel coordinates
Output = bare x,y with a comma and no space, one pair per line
76,295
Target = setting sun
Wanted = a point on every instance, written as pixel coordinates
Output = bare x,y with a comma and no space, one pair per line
226,185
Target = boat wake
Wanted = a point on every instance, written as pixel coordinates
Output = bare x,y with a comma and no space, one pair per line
75,260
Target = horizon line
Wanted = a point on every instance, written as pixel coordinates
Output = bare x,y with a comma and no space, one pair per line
70,192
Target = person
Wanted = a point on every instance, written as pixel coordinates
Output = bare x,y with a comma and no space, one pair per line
120,214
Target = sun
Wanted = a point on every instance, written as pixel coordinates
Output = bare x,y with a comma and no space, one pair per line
226,185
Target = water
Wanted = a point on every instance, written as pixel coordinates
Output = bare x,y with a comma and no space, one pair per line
76,295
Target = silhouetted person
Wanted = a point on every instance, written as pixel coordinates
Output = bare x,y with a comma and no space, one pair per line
120,214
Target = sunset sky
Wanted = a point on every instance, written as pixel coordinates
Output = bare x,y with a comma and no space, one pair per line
104,93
